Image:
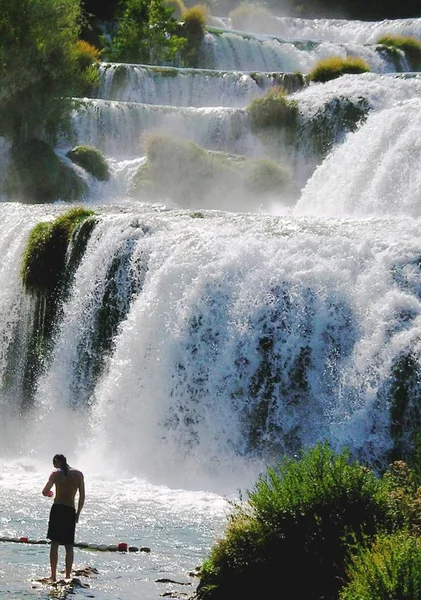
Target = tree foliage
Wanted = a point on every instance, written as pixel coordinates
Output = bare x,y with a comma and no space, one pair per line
39,66
147,34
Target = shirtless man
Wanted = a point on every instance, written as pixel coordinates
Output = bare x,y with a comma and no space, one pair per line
63,515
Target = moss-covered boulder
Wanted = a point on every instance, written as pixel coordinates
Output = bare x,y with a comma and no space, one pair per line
90,159
44,257
37,175
410,46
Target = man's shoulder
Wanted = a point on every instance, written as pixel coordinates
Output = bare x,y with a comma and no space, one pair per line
76,472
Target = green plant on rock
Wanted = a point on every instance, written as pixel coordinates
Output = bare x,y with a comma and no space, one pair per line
411,47
44,257
92,160
335,66
273,118
302,514
36,174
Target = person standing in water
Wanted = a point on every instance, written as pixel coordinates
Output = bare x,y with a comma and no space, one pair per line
63,514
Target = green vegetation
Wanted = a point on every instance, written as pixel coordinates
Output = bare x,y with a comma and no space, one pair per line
274,110
92,160
146,33
331,68
46,272
409,45
311,515
390,568
178,8
36,174
40,67
187,173
45,253
193,30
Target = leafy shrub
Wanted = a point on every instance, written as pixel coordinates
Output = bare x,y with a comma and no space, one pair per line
389,568
331,68
92,160
36,174
409,45
301,515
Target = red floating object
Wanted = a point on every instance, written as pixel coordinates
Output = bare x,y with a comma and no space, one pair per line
122,547
23,539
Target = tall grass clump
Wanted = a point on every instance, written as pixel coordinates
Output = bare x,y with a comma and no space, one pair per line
300,517
388,569
335,66
409,45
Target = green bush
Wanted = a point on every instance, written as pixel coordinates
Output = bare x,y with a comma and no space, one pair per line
301,516
409,45
388,569
90,159
331,68
274,110
44,257
36,174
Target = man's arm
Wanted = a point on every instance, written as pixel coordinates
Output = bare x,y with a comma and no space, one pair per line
81,499
47,488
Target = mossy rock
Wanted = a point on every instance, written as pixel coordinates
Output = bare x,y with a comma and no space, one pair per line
409,45
274,110
90,159
37,175
44,257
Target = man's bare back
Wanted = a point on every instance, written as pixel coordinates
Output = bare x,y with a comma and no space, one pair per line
66,485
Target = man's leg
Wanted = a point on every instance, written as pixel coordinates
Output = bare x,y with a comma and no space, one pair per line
53,560
69,560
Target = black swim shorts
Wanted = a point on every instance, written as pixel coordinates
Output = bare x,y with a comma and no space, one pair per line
62,524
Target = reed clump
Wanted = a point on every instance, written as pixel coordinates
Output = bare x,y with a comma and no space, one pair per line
335,66
312,514
410,46
252,17
90,159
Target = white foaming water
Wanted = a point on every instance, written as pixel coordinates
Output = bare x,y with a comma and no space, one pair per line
186,87
118,128
233,51
374,173
343,30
